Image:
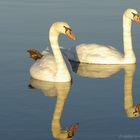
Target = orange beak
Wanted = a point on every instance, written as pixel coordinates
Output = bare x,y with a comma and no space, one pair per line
71,35
137,19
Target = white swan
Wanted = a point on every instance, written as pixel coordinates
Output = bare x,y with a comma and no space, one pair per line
52,67
100,54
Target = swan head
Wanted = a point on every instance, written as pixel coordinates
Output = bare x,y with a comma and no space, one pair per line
133,15
64,28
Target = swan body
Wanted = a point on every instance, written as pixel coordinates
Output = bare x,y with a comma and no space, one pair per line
100,54
52,66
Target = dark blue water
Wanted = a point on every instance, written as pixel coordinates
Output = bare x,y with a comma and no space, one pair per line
98,104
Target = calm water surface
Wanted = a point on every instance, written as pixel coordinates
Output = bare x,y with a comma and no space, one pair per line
101,99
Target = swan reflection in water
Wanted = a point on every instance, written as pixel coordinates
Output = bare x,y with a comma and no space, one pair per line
61,91
105,71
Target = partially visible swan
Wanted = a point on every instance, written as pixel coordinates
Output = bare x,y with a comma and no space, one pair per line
100,54
52,67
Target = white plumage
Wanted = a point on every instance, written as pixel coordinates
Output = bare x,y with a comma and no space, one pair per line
100,54
95,53
53,66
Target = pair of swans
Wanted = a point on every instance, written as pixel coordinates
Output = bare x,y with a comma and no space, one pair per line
53,67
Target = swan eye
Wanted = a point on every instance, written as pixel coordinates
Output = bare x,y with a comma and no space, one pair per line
136,18
67,29
134,14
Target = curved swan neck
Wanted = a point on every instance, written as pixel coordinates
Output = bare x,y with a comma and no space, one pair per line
129,56
62,70
53,36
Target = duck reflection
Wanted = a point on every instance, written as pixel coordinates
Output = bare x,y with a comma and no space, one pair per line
104,71
61,91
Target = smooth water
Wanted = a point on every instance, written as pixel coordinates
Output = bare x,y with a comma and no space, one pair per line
100,99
